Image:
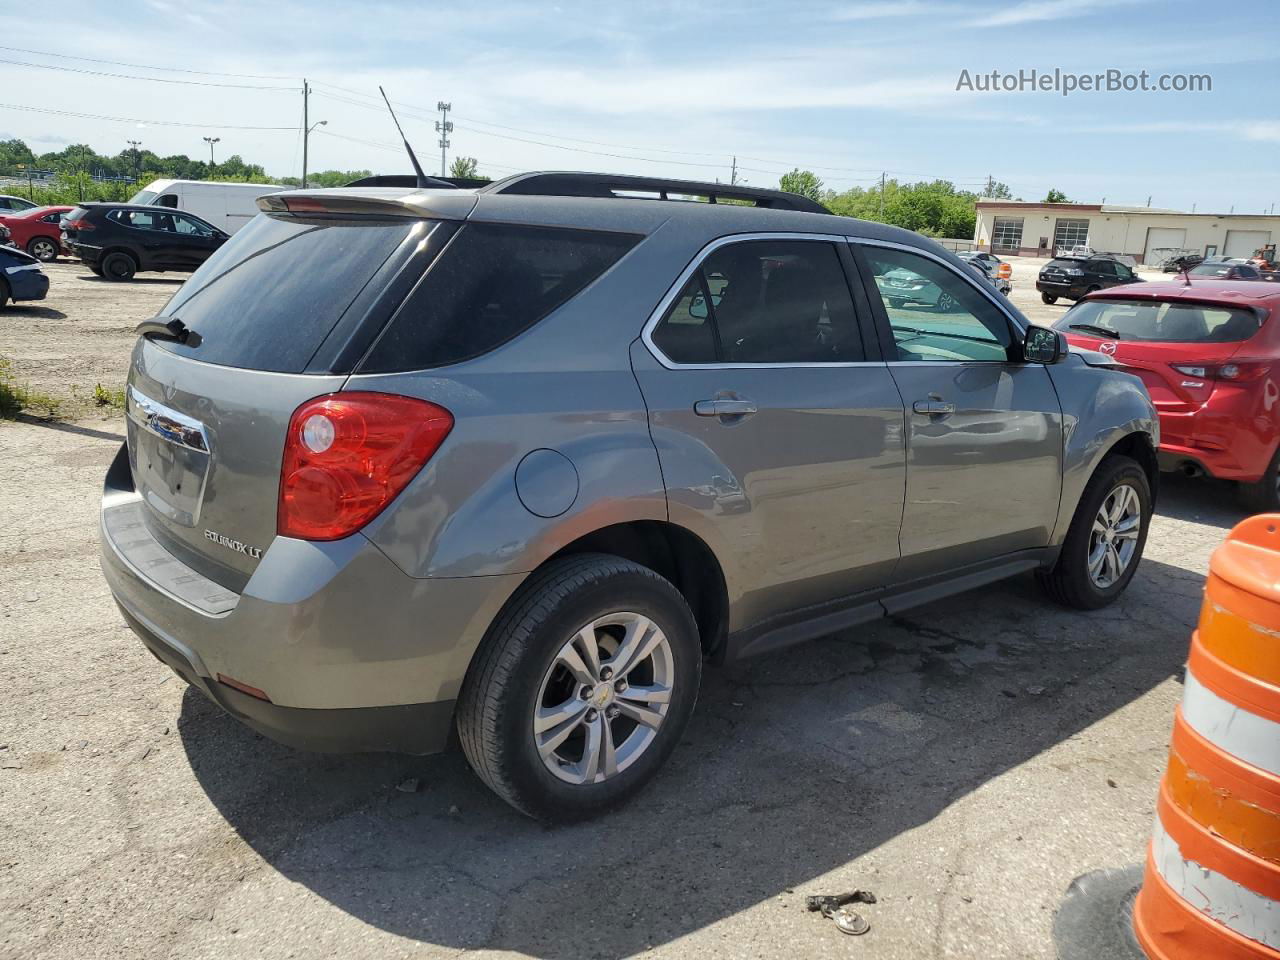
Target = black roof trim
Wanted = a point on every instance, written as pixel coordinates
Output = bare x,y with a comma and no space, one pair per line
409,180
608,185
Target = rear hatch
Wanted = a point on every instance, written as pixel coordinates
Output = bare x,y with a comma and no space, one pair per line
72,223
1181,350
1061,270
276,317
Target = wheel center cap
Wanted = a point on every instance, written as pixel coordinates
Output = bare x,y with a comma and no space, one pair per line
602,696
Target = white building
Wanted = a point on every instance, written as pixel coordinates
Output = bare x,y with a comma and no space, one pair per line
1039,229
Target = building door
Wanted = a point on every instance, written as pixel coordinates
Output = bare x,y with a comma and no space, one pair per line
1070,232
1163,243
1242,243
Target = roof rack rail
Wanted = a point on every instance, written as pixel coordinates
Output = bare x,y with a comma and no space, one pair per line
411,180
611,185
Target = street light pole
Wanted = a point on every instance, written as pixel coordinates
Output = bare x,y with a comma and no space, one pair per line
137,158
211,141
306,135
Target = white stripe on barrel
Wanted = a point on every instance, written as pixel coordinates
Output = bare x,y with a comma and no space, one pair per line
1239,908
1233,730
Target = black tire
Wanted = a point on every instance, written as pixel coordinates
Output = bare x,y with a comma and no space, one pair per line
1048,298
43,249
4,293
503,685
95,269
1069,582
1263,496
119,266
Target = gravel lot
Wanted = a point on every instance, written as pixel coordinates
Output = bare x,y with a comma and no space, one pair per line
964,762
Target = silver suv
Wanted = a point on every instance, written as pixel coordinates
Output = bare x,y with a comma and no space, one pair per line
519,460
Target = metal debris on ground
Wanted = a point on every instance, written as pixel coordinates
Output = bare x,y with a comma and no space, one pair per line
835,908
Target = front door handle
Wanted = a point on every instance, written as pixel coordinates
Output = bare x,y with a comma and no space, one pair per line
934,408
724,408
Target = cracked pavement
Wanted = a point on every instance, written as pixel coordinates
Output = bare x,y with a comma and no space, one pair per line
964,762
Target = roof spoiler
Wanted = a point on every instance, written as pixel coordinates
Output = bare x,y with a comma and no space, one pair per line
612,185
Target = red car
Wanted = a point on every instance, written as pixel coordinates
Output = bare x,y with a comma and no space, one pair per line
1209,353
37,231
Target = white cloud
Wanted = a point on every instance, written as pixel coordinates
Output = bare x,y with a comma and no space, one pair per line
1035,11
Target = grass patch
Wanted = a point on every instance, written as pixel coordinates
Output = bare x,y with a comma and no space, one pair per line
106,397
16,398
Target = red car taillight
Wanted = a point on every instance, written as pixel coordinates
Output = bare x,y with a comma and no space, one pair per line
78,225
348,455
1236,371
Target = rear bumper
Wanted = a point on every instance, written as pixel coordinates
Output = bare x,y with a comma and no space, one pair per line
352,653
1221,464
1232,437
1072,291
26,283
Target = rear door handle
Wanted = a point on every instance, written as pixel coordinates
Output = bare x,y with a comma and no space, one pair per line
933,408
724,408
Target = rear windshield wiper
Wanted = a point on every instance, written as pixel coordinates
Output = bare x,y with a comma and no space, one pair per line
1090,328
167,328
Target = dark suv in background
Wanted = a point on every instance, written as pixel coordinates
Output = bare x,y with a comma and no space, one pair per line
116,240
1073,277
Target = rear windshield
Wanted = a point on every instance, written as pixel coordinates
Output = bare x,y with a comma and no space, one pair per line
491,283
1153,321
269,296
1063,262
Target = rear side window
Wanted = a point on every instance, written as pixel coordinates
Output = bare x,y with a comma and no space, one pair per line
491,283
1153,321
269,296
764,301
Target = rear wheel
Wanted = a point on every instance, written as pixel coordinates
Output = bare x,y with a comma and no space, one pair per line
582,687
1106,537
1048,298
43,249
119,266
1264,496
4,293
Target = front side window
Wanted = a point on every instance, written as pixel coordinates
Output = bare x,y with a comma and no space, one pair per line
191,228
934,313
763,302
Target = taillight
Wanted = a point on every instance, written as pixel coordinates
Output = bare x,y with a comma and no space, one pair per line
348,455
78,225
1237,371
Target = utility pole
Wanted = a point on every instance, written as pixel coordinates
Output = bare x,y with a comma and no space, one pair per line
306,130
1148,201
137,158
211,141
882,176
444,127
991,185
733,173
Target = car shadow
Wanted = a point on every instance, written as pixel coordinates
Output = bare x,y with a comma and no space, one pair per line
1200,500
26,309
94,278
64,427
793,765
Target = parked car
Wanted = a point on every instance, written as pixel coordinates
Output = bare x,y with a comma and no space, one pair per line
20,277
228,206
1209,354
990,260
1073,277
1003,284
37,231
116,240
1226,270
405,460
1181,263
9,204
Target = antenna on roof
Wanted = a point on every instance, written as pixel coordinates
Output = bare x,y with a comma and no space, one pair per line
417,167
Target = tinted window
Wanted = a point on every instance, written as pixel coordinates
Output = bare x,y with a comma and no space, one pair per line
168,200
143,219
772,301
51,218
492,282
270,295
191,227
935,314
685,334
1065,263
1168,322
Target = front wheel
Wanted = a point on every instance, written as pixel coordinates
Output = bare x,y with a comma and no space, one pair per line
582,687
1048,298
1105,540
43,249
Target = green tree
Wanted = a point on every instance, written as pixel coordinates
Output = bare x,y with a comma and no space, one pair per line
325,178
1055,196
464,167
995,190
804,182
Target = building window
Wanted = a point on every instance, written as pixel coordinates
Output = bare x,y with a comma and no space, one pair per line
1006,233
1070,233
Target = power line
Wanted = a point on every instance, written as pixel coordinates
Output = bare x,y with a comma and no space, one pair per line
149,123
143,66
128,76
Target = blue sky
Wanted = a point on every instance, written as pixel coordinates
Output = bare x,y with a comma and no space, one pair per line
847,89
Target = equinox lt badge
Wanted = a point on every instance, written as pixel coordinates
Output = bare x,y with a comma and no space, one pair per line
238,545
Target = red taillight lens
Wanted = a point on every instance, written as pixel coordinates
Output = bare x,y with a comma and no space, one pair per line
79,225
1235,371
348,455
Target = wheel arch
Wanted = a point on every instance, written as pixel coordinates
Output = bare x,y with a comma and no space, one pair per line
1137,446
676,553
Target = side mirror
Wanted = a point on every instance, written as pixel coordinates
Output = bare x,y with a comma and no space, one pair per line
1042,345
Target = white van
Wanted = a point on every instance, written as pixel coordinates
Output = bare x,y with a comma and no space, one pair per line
228,206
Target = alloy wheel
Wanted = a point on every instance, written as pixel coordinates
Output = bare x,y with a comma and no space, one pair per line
1113,540
43,250
604,698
